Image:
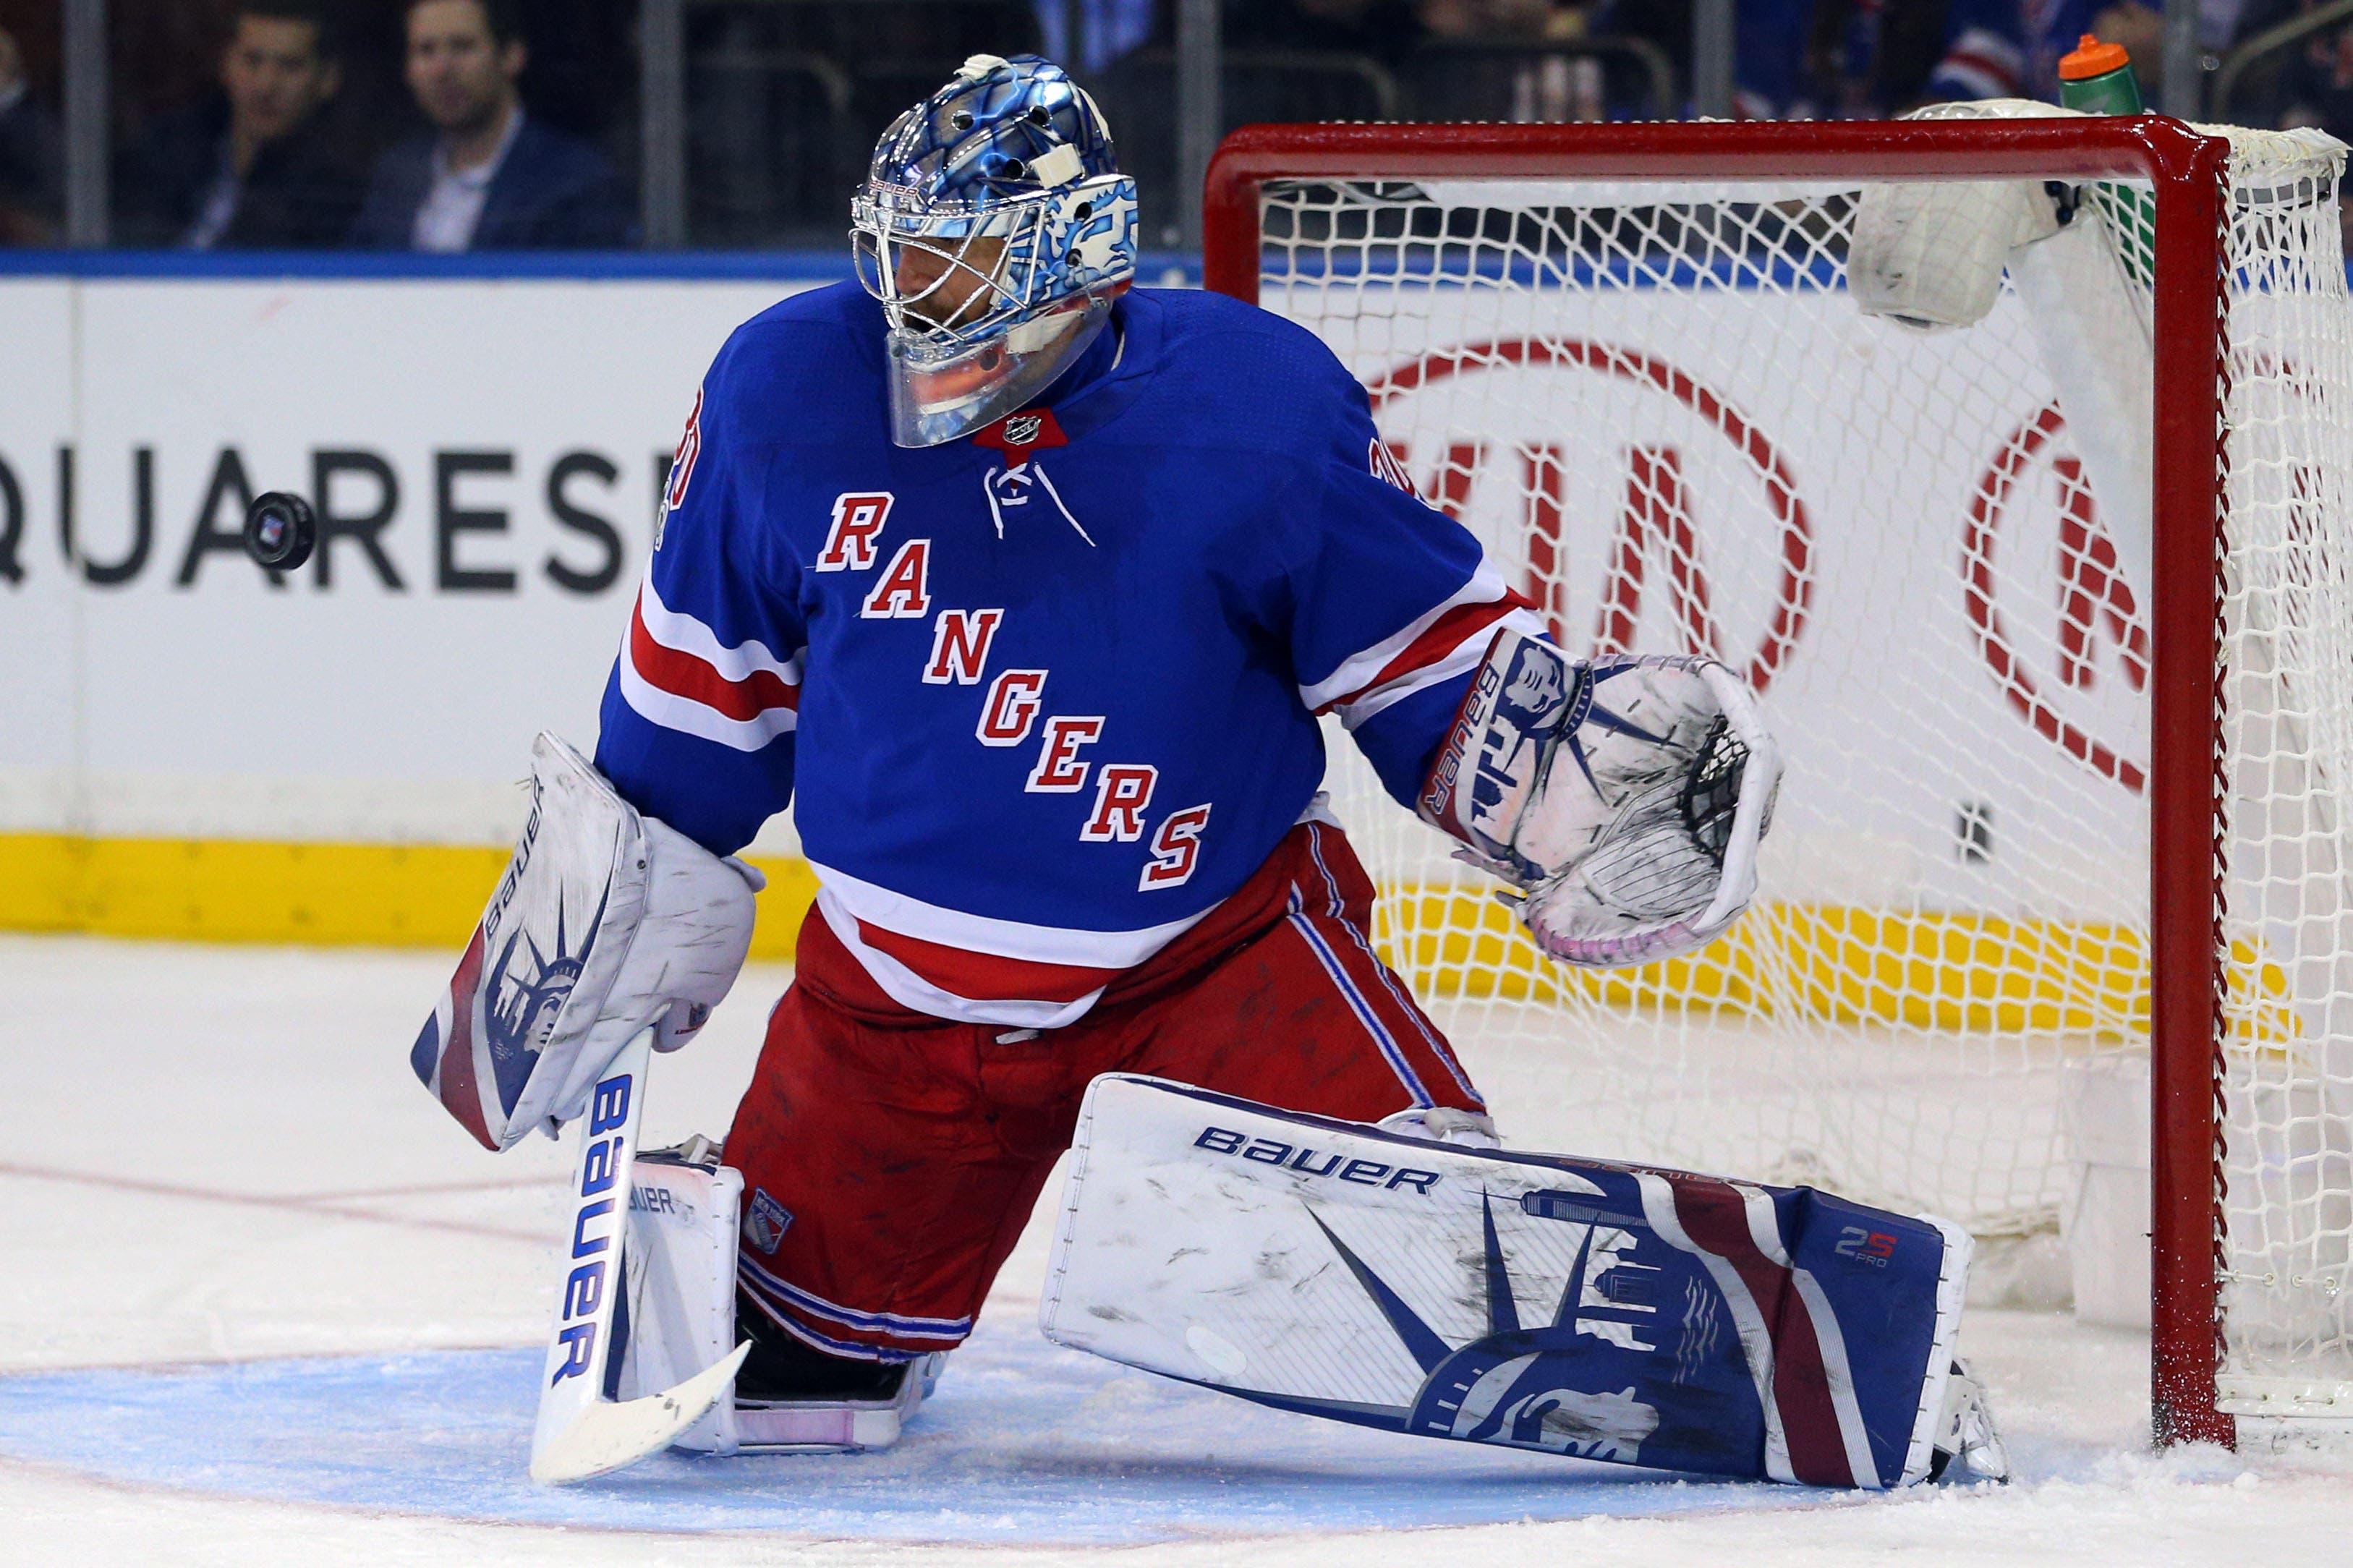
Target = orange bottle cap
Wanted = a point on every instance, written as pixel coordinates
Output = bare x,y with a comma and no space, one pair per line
2091,58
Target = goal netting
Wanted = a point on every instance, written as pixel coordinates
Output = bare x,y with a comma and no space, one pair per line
1931,554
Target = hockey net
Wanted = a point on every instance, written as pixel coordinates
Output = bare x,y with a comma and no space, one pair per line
1628,359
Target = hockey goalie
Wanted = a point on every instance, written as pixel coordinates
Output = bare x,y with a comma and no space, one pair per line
1026,588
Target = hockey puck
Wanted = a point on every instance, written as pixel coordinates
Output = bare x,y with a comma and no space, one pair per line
280,530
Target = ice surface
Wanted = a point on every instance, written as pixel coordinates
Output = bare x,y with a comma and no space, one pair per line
261,1302
1024,1442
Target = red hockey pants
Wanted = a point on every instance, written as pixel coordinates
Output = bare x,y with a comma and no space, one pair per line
891,1160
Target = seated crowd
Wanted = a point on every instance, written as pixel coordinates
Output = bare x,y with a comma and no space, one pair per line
254,166
283,154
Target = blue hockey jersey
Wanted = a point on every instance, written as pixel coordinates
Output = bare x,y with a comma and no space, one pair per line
1049,694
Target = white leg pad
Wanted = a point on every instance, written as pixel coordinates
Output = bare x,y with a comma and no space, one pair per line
678,1317
1439,1288
678,1312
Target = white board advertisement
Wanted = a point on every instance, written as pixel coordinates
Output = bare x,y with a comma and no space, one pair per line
485,455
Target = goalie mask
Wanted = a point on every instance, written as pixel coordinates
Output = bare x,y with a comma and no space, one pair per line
995,228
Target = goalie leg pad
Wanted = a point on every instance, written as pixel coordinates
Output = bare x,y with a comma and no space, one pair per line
1603,1311
677,1315
606,920
676,1311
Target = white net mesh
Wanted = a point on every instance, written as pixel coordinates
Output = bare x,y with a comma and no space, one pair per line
1931,553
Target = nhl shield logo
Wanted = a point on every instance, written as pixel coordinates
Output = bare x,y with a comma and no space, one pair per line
1021,433
767,1223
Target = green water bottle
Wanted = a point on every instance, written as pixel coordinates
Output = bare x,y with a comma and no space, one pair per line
2097,79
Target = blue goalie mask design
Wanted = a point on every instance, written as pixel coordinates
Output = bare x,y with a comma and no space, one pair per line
995,228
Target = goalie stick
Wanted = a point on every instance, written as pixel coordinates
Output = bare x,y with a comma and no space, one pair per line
582,1431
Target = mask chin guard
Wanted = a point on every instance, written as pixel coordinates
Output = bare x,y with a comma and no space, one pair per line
941,395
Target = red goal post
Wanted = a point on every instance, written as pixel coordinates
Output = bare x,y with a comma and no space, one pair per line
2186,778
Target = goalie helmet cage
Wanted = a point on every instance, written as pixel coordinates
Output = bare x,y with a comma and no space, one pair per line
1372,234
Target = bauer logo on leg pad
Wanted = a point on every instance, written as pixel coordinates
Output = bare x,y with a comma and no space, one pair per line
1305,1159
649,1200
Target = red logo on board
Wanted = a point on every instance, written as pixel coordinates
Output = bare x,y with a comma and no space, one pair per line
2096,602
1656,548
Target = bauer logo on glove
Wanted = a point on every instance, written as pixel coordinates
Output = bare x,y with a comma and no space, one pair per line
1520,699
1625,795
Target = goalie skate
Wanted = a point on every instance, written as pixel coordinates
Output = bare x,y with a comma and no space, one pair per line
1967,1445
682,1312
835,1425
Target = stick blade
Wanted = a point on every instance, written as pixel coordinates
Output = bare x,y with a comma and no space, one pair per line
607,1437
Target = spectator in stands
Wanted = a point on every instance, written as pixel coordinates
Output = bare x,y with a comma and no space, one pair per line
2316,83
28,156
2140,28
2053,27
1108,30
2313,88
1513,21
252,168
1525,60
1383,29
1806,59
489,177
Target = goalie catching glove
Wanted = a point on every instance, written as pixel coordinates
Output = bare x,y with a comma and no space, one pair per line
1625,795
606,920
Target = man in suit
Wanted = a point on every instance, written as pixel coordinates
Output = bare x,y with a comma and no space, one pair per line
30,160
489,177
255,167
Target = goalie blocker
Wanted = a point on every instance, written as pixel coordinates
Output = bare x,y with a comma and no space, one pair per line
605,921
1589,1310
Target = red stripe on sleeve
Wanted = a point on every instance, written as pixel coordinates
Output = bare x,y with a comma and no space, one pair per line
684,674
1440,639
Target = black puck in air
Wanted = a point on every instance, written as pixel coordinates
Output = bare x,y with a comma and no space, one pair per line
280,528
